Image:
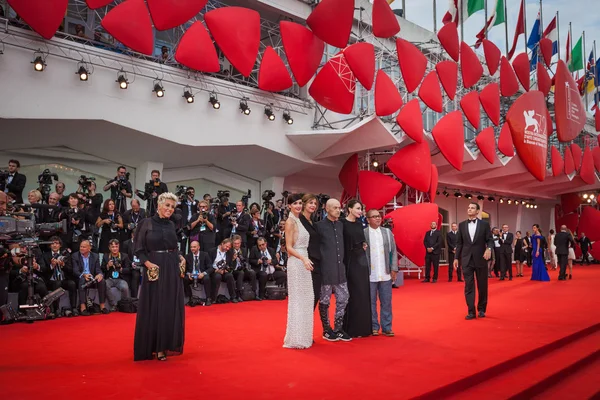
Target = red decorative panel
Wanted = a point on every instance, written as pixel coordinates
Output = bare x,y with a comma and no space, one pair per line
521,67
434,185
470,66
273,76
130,24
93,4
413,63
332,21
448,134
431,93
490,101
448,74
410,119
334,86
492,56
197,51
546,46
558,164
385,24
236,31
448,37
596,156
304,50
168,14
410,224
587,172
412,165
387,97
597,121
349,175
570,202
568,106
527,118
595,252
470,106
570,220
543,79
486,141
361,59
577,155
550,124
376,189
508,80
505,142
569,162
43,16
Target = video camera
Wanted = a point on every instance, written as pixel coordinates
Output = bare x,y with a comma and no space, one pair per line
323,198
121,182
35,312
85,182
245,199
149,188
89,283
268,195
45,182
181,192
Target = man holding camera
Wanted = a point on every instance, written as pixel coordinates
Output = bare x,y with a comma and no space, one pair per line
133,279
115,267
120,189
22,270
87,194
76,223
221,263
265,263
188,207
240,224
15,182
86,268
153,189
59,274
198,269
203,227
132,217
239,264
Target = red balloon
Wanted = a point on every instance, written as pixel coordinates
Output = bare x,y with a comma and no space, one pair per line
568,107
486,141
434,185
410,119
508,80
236,31
43,16
558,164
387,97
385,23
376,189
587,172
168,14
273,75
470,66
543,79
521,67
413,63
470,106
596,156
93,4
492,56
430,92
129,23
577,155
197,51
349,175
361,59
448,134
448,37
505,142
527,119
332,21
412,165
304,50
569,162
448,75
490,101
334,86
546,47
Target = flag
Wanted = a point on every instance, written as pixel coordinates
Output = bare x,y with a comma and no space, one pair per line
576,62
520,28
533,42
551,32
468,7
568,49
496,18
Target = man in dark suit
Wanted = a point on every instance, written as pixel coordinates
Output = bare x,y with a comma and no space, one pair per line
240,267
15,183
562,241
473,249
198,262
505,255
131,218
241,224
433,245
586,246
221,260
268,268
59,274
451,241
86,266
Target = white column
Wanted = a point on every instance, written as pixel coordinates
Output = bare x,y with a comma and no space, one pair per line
519,217
142,175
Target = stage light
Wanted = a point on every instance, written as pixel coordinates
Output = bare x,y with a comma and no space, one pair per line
244,107
375,163
509,201
38,63
592,196
480,197
445,193
501,200
491,198
83,72
159,90
288,118
535,206
589,200
269,113
516,202
457,194
526,205
585,195
214,100
468,196
187,94
122,80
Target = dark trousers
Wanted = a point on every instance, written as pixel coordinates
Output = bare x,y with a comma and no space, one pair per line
278,276
528,256
505,264
316,280
471,273
241,276
432,259
3,288
100,286
451,256
39,287
133,281
205,282
497,262
584,256
69,286
216,280
563,261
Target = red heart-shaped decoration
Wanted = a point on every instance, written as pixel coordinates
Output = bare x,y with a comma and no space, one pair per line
558,164
93,4
413,63
527,119
486,141
361,59
168,14
589,223
448,134
596,156
332,21
410,119
546,47
492,56
470,106
412,165
197,51
470,66
376,189
43,16
587,172
508,80
521,67
448,74
568,107
577,155
334,86
448,36
387,97
304,50
273,75
543,79
434,184
130,24
349,175
505,142
490,101
431,93
569,162
385,23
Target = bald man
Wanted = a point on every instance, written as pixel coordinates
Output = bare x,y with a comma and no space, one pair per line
562,240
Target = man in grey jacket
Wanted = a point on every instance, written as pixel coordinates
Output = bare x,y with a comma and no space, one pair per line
383,262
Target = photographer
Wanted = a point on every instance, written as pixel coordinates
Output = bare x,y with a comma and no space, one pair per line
59,274
45,184
110,221
13,182
120,189
225,210
21,271
198,270
240,224
86,268
221,263
92,200
132,217
35,197
257,229
133,278
63,198
115,267
187,206
76,220
266,264
202,227
5,262
239,264
51,214
271,224
152,190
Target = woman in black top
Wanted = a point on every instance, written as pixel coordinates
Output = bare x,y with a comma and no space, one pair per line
519,253
357,321
110,221
309,206
159,327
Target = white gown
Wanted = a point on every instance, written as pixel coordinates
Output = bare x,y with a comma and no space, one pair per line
300,319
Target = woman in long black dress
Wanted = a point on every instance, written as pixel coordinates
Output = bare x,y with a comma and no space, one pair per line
520,256
159,327
110,221
357,321
310,204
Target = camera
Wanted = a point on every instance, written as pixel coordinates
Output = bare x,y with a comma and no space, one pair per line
181,192
113,225
122,182
268,195
115,273
223,193
194,276
222,265
265,261
45,182
28,227
89,283
204,214
85,182
131,226
323,198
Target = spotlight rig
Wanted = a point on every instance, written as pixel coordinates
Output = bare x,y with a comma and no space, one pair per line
269,113
83,71
244,107
288,118
188,95
214,100
39,63
122,80
159,90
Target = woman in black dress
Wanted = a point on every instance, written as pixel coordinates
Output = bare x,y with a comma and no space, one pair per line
519,253
310,204
110,221
159,326
357,321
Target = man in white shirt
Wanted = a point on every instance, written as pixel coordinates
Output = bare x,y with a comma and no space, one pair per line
383,262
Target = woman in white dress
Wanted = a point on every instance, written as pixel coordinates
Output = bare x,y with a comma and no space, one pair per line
553,256
299,332
571,256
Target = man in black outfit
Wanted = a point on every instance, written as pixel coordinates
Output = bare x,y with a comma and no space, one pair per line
241,224
505,256
496,256
198,262
15,183
240,267
270,267
120,189
314,254
561,241
474,248
86,267
59,274
433,245
451,240
221,260
586,246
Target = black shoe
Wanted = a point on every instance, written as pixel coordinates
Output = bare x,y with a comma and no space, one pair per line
394,286
434,281
510,278
75,312
234,300
560,278
208,302
105,311
502,278
470,316
425,280
239,299
481,314
330,336
258,298
343,336
85,313
570,276
460,280
68,313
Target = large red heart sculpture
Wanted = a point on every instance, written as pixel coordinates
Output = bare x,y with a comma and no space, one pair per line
486,141
387,97
349,175
492,56
197,51
168,14
448,134
410,119
505,142
361,59
413,63
448,74
273,75
431,93
412,165
508,80
385,23
470,66
334,86
490,101
521,67
332,21
597,121
543,79
577,155
304,50
546,46
558,164
410,224
569,220
43,16
527,119
130,24
570,202
470,106
568,106
376,189
587,172
448,36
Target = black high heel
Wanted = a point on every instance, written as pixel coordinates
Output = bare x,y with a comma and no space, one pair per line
161,357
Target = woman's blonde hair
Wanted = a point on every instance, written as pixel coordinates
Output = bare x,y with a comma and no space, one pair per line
37,194
167,196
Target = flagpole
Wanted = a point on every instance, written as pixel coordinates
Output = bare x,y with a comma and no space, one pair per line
596,83
525,25
404,8
584,72
558,34
486,17
541,33
506,26
570,47
460,19
434,18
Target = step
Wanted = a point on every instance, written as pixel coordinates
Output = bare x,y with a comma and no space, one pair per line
583,384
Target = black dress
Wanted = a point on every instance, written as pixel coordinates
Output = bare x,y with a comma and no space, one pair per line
357,321
159,326
519,252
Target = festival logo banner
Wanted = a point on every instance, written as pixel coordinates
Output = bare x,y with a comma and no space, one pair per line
568,106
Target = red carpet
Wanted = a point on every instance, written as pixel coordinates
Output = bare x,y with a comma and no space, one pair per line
234,350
